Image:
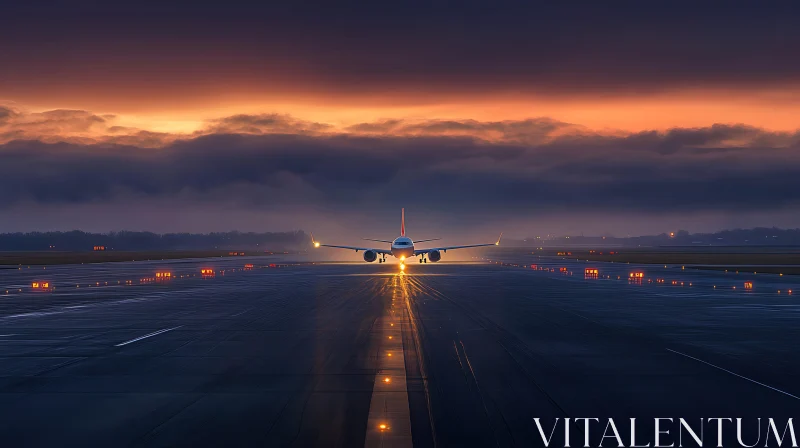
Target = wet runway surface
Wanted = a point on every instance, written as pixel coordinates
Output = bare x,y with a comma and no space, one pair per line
360,355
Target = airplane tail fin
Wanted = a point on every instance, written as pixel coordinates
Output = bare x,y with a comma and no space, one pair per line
403,222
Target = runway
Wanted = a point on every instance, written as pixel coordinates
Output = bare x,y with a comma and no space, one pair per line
300,355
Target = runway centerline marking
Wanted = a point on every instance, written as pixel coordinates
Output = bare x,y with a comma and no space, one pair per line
155,333
389,418
736,374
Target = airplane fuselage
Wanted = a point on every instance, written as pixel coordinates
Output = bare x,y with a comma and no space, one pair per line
403,247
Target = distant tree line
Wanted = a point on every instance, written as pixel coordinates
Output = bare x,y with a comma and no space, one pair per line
136,241
759,236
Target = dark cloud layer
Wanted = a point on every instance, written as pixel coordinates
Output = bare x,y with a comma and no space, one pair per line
727,168
480,46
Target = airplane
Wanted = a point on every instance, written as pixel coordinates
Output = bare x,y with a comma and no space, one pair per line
402,247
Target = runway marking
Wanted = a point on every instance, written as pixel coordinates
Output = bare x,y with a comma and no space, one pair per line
736,374
241,312
389,417
90,306
155,333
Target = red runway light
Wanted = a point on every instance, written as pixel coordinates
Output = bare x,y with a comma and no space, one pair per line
40,286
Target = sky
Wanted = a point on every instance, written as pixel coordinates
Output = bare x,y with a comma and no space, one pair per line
619,118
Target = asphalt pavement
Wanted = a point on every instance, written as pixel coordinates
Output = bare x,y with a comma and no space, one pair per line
463,354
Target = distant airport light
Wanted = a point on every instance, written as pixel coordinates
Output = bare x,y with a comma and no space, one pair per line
748,285
40,286
163,275
207,273
99,248
637,275
248,267
533,266
672,234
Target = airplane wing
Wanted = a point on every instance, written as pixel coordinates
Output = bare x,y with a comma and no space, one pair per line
445,249
377,241
379,251
425,241
357,249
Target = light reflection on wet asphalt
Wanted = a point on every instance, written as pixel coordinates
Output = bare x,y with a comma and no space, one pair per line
292,355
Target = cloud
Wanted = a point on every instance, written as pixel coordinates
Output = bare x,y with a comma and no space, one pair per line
535,166
530,131
74,126
6,114
558,48
264,124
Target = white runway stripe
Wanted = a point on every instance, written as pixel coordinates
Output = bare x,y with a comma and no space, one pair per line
735,374
155,333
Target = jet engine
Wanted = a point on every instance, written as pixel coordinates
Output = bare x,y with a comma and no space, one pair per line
434,255
370,256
